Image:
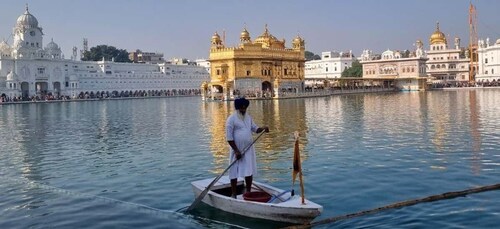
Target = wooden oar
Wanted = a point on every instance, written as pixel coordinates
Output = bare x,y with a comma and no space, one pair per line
204,193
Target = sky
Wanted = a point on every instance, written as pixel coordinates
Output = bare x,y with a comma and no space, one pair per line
183,29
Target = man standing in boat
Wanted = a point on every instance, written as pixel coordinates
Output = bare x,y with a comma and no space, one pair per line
239,129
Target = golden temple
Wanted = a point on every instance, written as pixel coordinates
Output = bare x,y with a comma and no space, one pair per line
264,67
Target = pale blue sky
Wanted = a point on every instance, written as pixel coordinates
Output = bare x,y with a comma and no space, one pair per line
183,28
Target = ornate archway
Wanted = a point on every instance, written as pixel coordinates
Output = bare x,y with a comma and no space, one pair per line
57,88
41,88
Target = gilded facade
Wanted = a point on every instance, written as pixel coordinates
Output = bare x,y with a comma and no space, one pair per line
263,67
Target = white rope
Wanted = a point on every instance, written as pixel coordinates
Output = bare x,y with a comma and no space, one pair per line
140,207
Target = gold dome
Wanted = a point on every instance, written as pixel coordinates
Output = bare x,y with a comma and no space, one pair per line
265,38
268,40
297,39
216,41
298,42
216,36
437,37
244,33
245,36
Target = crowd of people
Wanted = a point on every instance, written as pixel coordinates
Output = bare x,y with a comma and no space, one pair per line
41,97
466,84
253,93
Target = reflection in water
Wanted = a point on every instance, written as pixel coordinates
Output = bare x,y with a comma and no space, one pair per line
352,146
33,139
218,112
474,129
417,116
283,118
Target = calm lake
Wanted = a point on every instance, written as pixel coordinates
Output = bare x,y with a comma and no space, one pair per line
129,163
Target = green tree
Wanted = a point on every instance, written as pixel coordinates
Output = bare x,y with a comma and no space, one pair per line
311,56
356,70
108,52
405,54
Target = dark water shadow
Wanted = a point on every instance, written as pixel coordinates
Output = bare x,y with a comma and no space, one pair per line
216,216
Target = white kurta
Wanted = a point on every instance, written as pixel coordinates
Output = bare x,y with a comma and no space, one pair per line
240,131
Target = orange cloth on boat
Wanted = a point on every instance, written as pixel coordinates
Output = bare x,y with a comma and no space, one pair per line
297,168
239,128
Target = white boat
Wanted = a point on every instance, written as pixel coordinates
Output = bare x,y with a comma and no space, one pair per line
282,207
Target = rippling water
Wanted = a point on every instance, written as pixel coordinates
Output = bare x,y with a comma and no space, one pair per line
129,163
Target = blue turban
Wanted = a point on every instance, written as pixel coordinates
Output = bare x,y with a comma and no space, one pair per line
240,103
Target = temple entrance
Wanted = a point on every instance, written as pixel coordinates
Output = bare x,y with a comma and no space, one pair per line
41,88
216,92
267,89
217,89
57,88
25,89
267,86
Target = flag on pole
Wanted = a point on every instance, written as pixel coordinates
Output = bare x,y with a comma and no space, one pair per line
297,168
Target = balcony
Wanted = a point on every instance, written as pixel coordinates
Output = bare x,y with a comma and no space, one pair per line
41,77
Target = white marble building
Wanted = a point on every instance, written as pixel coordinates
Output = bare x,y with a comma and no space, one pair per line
408,74
29,69
204,63
488,61
446,65
330,66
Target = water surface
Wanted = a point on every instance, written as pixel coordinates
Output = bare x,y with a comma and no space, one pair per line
129,163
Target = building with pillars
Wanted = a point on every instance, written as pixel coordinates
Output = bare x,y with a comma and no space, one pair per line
263,67
488,61
407,74
446,65
28,69
330,66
